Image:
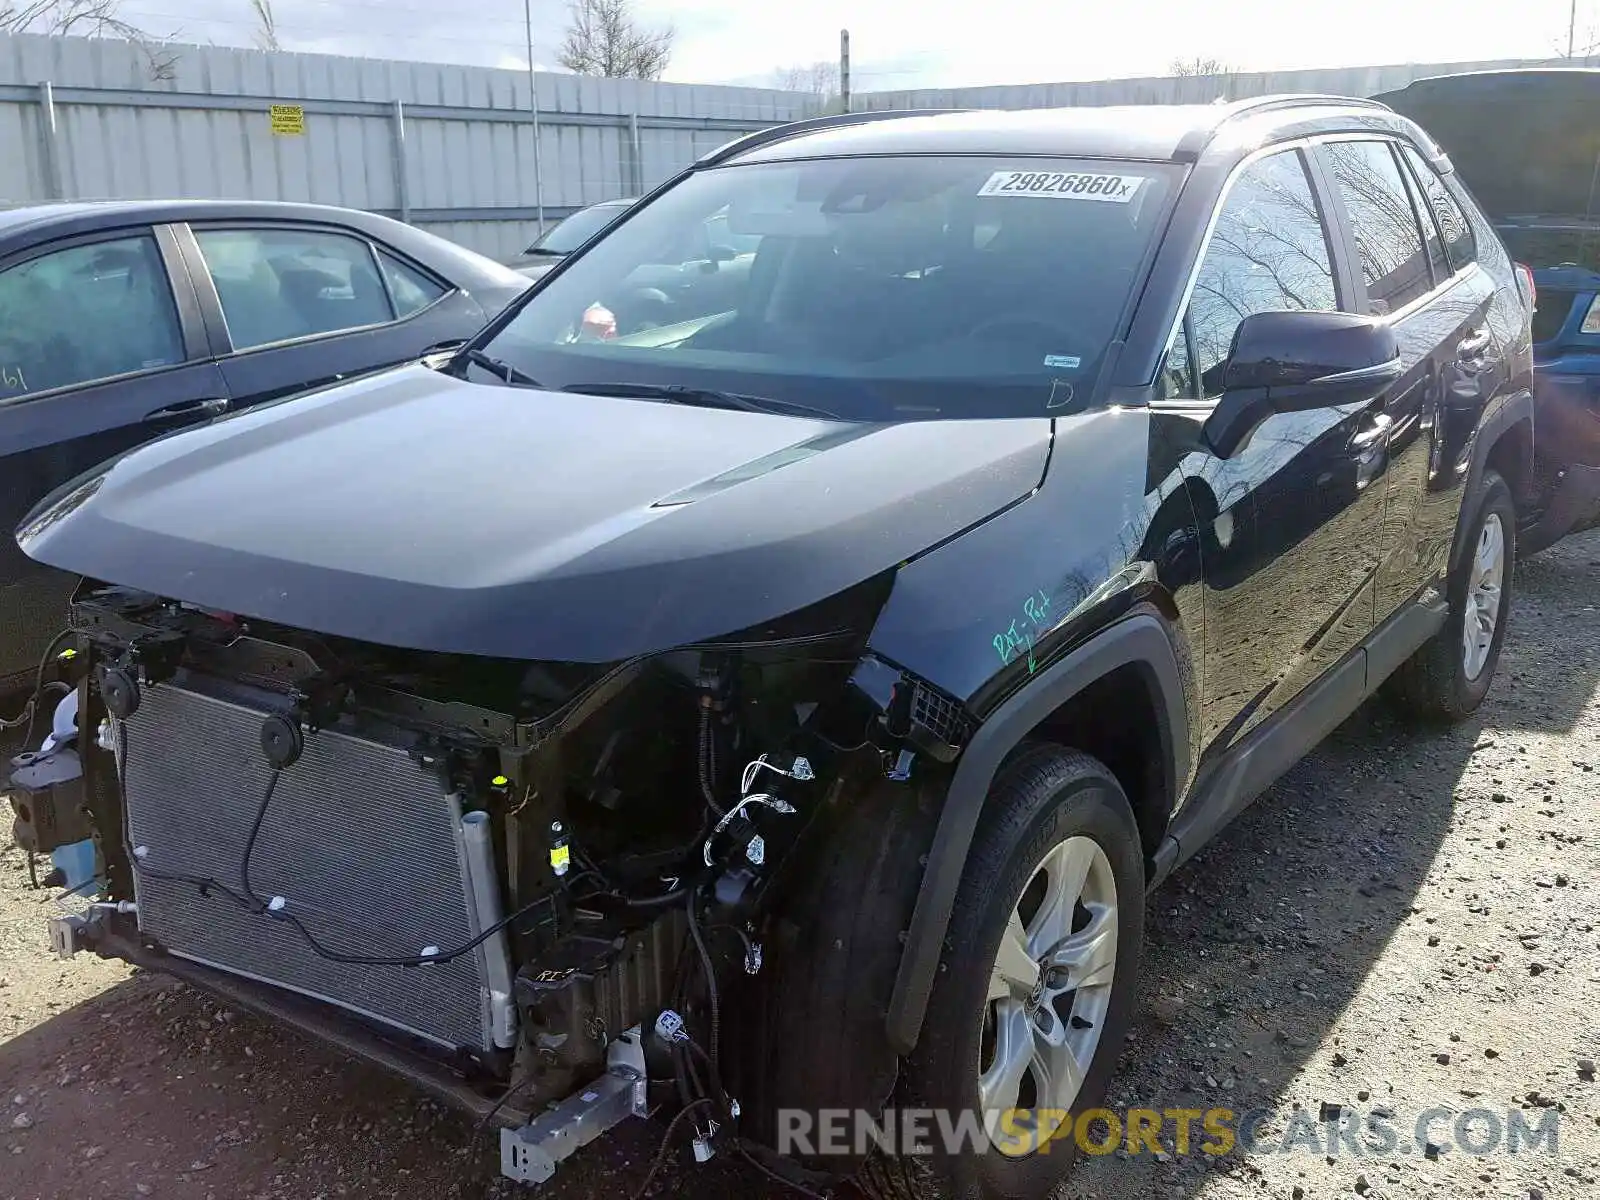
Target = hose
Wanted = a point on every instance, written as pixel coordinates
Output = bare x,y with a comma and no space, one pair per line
707,756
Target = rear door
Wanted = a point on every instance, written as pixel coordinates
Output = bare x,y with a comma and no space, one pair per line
101,348
291,306
1453,359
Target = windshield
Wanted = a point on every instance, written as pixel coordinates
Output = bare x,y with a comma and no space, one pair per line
577,229
876,289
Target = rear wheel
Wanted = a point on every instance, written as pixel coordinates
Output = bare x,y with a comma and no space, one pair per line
1450,675
1035,991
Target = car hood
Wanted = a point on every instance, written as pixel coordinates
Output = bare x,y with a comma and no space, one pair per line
1525,142
415,509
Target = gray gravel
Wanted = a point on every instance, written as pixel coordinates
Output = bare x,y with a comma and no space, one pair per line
1407,921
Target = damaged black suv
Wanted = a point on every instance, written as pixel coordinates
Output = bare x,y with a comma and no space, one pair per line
768,689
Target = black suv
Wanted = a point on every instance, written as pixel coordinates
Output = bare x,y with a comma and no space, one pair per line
785,710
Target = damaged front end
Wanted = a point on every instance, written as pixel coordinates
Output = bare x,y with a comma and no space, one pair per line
522,883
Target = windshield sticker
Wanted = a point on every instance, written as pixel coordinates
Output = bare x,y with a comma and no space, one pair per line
1070,362
1063,185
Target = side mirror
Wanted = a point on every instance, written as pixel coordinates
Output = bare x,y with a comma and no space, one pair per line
1295,362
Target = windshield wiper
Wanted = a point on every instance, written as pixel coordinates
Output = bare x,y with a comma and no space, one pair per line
677,393
497,367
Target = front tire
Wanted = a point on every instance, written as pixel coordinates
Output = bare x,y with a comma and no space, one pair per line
1035,991
1448,678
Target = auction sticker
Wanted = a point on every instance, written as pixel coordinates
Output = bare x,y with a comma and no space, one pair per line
1063,185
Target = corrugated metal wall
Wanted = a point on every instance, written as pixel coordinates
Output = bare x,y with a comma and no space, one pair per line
468,143
1198,89
457,156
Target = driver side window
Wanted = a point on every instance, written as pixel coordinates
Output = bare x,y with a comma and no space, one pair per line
1269,252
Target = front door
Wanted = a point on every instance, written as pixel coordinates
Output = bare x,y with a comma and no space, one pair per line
1292,520
94,359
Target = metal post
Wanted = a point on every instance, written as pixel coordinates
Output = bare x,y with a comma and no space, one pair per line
50,141
533,100
1572,30
402,176
638,158
844,69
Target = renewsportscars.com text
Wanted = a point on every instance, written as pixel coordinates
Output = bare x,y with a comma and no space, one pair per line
1216,1132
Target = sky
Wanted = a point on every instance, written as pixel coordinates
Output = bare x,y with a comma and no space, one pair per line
899,44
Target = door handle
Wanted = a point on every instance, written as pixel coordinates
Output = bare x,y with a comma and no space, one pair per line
1376,431
1475,346
213,406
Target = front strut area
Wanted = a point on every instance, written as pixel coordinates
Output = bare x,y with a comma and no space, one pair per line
531,888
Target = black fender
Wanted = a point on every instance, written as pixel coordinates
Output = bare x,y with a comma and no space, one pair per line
1518,409
1140,639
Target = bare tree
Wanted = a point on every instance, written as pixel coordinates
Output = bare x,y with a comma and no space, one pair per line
1198,65
604,38
820,78
89,18
266,36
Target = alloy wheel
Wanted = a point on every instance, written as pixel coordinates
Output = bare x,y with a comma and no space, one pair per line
1049,993
1484,586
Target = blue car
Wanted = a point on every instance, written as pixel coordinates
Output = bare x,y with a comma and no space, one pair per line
1527,143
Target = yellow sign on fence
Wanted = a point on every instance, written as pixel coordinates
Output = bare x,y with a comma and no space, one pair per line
288,120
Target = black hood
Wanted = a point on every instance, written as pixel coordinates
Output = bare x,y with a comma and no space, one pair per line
1525,142
415,509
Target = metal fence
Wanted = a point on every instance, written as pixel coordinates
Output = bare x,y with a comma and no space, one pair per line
449,148
459,150
1195,89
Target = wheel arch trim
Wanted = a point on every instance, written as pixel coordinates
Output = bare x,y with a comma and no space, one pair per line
1140,640
1519,409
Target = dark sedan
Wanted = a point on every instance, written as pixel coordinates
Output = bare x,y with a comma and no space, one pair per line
562,238
120,322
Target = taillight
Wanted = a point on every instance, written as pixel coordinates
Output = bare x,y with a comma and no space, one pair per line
1591,319
1525,274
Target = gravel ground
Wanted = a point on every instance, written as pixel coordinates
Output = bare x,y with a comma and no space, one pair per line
1407,922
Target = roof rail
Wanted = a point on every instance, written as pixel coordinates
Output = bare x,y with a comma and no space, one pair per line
778,133
1193,143
1255,104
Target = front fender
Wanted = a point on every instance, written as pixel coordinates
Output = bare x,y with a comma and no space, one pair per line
1140,639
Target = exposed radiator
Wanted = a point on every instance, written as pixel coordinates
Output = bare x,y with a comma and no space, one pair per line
363,844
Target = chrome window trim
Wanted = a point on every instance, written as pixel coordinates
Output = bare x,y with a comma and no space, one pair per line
1305,143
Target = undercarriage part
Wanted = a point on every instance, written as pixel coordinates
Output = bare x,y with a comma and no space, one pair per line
47,797
532,1153
67,933
494,956
117,939
364,846
587,988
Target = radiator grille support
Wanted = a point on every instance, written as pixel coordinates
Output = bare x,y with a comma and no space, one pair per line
363,844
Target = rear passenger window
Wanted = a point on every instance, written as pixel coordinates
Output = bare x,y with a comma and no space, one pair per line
1453,224
280,284
1393,261
1268,253
1430,229
85,313
412,290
